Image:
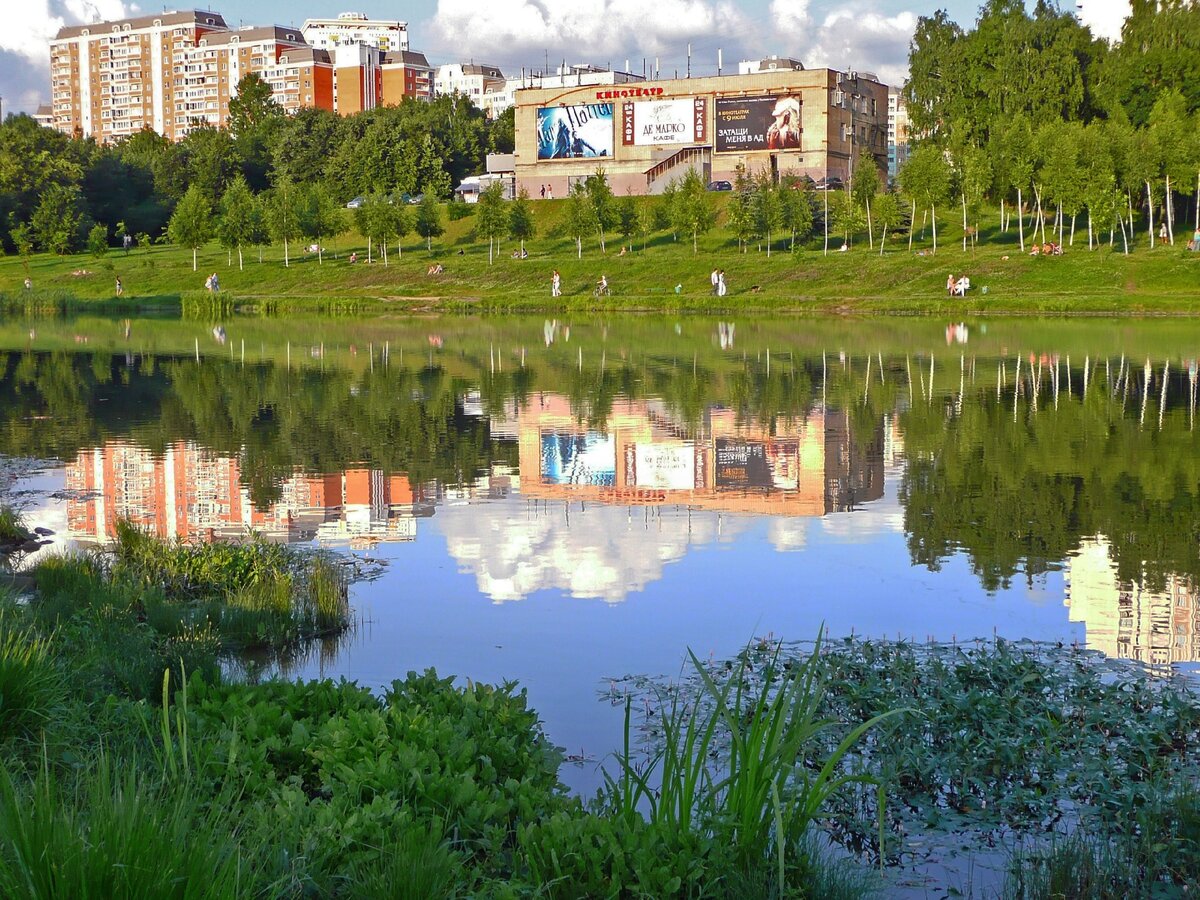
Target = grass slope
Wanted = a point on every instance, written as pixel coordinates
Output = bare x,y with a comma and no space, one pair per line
1166,279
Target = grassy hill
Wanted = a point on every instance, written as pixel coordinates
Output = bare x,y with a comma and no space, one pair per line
662,274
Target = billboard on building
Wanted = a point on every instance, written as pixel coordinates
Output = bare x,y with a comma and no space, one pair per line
758,123
584,131
664,122
589,458
757,465
669,467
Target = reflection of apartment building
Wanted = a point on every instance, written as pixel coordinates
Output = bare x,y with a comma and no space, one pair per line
193,494
806,467
1128,621
174,71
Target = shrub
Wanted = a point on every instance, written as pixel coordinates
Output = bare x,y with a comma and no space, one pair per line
30,682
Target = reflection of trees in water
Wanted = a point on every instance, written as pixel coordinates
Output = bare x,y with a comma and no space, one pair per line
1017,484
1014,483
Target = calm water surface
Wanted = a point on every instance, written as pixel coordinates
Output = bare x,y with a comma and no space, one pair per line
558,502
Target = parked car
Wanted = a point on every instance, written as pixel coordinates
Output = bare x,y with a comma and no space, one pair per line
356,203
832,183
720,186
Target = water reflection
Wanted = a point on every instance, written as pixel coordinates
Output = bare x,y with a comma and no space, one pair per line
610,465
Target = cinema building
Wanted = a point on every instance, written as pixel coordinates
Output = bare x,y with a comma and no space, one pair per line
647,134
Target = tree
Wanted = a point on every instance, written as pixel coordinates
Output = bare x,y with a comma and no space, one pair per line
97,241
260,232
796,208
580,216
887,215
925,178
974,176
319,217
191,223
252,107
864,184
22,238
767,209
235,222
429,220
600,195
492,219
521,226
691,209
627,217
282,214
58,218
846,216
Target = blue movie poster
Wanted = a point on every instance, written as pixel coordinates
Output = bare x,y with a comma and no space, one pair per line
579,459
575,132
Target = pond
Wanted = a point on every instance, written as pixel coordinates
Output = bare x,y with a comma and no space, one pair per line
564,502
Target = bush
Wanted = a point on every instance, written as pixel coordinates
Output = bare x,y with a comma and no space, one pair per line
97,240
457,211
30,682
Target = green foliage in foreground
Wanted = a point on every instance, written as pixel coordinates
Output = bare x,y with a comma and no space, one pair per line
426,789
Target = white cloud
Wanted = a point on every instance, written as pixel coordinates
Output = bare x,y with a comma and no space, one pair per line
851,37
588,30
1104,17
25,43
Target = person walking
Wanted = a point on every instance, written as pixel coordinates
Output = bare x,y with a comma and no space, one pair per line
715,279
720,282
1162,233
120,288
556,284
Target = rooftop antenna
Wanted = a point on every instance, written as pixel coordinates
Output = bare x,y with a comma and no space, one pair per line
689,61
718,61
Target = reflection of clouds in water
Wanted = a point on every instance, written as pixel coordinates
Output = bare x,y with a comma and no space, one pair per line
788,535
863,525
606,552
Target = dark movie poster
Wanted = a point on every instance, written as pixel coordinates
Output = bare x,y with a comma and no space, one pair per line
575,132
755,465
758,123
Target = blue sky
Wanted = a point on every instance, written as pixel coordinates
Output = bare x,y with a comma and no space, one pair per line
869,35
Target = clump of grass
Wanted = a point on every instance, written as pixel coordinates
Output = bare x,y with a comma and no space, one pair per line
121,837
12,526
31,684
419,864
742,761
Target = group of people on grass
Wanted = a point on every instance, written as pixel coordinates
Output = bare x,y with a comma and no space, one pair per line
212,283
957,287
717,278
1047,249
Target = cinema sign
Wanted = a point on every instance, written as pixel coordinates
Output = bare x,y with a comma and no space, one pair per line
654,123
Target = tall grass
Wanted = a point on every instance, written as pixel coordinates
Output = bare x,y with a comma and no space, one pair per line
734,761
31,684
12,526
120,837
417,865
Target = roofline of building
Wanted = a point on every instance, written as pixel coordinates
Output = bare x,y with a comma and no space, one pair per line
190,17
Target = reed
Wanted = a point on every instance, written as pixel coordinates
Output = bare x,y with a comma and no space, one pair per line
31,684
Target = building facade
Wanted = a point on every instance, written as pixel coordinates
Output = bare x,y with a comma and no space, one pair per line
390,36
897,131
646,135
471,80
178,71
500,98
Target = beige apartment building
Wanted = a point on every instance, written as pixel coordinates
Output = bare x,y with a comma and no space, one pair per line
176,71
647,134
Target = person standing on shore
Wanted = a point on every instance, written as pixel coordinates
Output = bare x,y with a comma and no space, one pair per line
714,278
720,282
120,288
556,284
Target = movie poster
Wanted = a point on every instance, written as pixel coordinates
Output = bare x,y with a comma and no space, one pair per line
579,459
758,123
757,465
575,132
664,122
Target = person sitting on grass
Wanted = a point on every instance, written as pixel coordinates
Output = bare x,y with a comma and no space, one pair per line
962,286
435,269
950,283
354,257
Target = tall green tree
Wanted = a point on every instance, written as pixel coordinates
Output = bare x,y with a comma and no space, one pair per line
491,219
691,211
580,217
600,195
191,223
521,226
767,208
796,206
254,117
888,215
283,214
235,219
319,216
58,220
429,220
925,178
864,185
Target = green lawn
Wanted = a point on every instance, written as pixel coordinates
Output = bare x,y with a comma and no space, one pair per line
1102,281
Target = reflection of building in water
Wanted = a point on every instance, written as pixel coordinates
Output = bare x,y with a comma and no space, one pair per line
191,493
1127,620
801,467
